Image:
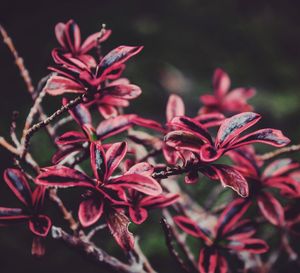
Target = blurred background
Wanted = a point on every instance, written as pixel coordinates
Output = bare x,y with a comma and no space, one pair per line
257,42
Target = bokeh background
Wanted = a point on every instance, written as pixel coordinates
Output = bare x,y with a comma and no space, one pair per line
257,42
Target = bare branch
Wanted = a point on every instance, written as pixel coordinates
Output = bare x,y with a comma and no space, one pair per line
94,252
18,60
285,150
170,244
45,122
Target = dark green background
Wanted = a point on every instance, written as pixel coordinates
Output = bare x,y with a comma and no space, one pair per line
257,42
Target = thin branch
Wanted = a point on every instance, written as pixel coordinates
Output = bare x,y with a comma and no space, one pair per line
30,132
93,232
18,60
67,215
180,241
34,110
170,244
138,251
94,252
285,150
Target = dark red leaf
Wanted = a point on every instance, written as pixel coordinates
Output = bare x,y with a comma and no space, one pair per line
183,139
138,214
141,183
90,211
231,215
80,113
208,260
58,85
192,126
231,178
117,57
10,213
243,229
267,136
252,245
40,225
124,91
175,107
221,82
114,126
280,167
190,227
160,201
142,168
118,225
232,127
271,208
71,137
114,156
61,176
17,182
98,161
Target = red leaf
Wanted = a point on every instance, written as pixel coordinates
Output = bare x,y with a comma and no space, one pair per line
40,225
11,213
183,139
148,123
108,111
221,82
231,215
17,182
124,91
80,113
231,178
71,138
61,176
118,225
142,168
117,57
252,245
98,161
208,260
73,37
90,211
192,126
211,119
175,107
232,127
160,201
138,214
58,85
94,39
267,136
114,156
280,167
271,208
141,183
243,229
113,126
190,227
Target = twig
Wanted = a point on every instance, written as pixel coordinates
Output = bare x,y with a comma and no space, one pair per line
92,233
180,241
94,252
285,150
142,258
33,111
67,215
62,122
45,122
18,60
170,244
